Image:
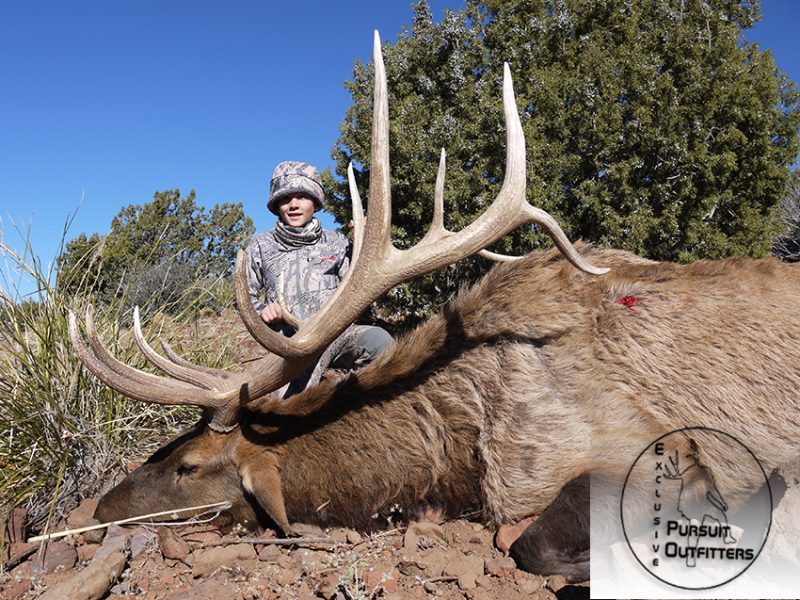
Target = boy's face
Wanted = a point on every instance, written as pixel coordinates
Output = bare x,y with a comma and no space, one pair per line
296,210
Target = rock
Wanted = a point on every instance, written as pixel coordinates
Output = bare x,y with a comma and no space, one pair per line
527,583
311,561
286,562
507,534
416,533
116,540
93,536
782,541
209,560
83,515
270,553
121,589
433,563
381,577
411,568
306,530
500,567
790,472
467,569
423,564
304,592
140,539
94,581
338,535
285,577
55,555
483,581
86,552
353,537
328,585
556,582
172,545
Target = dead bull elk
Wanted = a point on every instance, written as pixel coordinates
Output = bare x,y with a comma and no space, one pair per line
498,404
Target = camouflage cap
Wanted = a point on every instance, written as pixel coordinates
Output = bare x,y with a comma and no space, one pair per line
295,177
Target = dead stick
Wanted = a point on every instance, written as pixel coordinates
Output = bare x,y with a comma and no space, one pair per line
375,536
299,541
175,511
18,558
439,579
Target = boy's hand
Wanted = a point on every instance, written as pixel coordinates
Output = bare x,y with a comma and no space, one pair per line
272,313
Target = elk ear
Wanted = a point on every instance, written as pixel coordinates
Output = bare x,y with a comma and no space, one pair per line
263,481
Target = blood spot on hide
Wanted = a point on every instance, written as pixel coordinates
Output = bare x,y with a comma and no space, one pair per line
629,301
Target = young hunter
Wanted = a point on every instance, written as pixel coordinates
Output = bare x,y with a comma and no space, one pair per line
310,262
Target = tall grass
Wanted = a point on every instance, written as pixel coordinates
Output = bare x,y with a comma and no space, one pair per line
62,432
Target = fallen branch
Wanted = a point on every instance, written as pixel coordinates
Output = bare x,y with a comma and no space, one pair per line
440,579
299,541
206,508
19,557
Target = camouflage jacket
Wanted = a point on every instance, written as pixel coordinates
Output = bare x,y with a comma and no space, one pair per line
310,274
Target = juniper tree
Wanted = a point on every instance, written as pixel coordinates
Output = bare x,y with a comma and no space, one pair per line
155,251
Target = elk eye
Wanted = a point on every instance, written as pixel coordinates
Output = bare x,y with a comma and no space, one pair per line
187,469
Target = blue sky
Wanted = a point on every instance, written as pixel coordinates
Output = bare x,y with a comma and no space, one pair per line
103,103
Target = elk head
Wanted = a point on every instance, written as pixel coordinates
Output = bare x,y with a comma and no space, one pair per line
216,461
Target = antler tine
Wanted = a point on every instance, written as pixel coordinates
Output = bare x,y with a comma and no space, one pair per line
358,215
179,360
102,354
377,233
183,373
437,230
549,224
143,386
498,257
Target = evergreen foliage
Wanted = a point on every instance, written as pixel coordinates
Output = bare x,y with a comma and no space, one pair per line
651,126
787,243
156,252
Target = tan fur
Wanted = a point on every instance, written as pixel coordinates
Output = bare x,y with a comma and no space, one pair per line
534,376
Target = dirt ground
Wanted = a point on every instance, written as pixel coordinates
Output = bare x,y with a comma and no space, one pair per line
455,559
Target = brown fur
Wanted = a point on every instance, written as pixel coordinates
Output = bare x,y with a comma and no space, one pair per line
535,376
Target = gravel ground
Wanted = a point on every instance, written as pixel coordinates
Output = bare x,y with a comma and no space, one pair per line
455,559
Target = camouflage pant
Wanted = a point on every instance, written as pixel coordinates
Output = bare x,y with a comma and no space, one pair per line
356,347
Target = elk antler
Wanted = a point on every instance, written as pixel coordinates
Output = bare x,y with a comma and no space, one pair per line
376,267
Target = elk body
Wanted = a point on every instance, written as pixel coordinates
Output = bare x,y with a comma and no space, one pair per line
538,376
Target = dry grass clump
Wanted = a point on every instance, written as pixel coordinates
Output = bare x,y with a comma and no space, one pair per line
62,432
